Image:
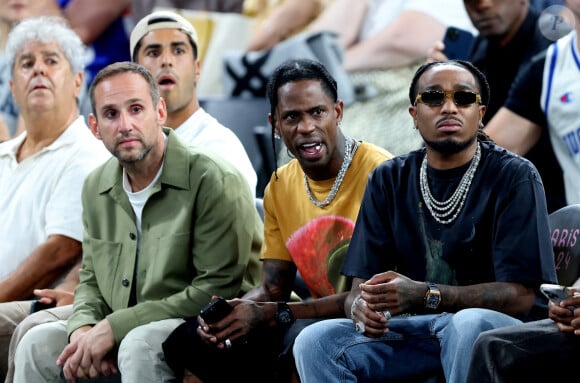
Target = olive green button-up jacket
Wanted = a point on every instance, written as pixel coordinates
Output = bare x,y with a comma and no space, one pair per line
201,236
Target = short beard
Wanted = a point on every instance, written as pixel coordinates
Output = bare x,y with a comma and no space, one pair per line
448,147
132,159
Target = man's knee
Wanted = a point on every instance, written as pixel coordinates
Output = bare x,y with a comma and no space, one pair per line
11,314
43,337
479,320
40,347
152,334
146,341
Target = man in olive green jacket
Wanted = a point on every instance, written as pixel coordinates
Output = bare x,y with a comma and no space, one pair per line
166,227
198,231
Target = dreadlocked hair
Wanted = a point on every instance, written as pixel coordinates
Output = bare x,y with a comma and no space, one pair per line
296,70
480,80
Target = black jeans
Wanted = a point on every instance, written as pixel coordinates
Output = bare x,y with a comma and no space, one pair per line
531,352
265,356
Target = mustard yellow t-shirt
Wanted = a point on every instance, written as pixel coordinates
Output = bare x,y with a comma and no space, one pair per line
297,230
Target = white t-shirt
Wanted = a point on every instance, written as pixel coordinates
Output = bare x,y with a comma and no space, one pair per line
41,196
381,13
202,130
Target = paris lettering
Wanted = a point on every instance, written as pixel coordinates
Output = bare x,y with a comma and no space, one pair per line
562,241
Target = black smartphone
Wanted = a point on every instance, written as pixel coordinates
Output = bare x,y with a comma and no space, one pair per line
38,305
215,310
457,43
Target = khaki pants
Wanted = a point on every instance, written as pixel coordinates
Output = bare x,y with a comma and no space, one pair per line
11,314
26,323
140,356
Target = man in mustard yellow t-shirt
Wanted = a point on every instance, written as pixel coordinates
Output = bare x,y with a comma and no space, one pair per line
310,206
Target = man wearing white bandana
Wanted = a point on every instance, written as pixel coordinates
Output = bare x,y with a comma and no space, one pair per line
451,240
167,45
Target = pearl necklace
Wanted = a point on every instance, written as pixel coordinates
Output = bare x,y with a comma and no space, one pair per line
350,147
447,211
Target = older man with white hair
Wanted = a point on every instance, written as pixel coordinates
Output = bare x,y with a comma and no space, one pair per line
42,171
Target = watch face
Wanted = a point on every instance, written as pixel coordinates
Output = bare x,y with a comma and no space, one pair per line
284,317
433,301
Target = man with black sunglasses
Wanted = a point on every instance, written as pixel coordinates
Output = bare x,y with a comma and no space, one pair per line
441,250
459,97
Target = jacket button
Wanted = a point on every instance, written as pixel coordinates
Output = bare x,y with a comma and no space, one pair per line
132,236
125,282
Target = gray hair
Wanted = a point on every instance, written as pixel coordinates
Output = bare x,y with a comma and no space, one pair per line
46,30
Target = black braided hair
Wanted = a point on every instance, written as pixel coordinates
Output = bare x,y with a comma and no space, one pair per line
296,70
477,74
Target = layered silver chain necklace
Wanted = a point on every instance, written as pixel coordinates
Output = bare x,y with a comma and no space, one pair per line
447,211
350,147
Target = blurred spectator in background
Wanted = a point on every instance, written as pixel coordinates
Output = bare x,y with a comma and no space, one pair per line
280,20
141,8
4,133
542,101
543,4
509,36
103,27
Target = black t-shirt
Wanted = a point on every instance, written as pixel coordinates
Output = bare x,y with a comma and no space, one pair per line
501,66
501,234
525,96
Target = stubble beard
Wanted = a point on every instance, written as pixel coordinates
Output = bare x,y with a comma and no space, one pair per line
132,159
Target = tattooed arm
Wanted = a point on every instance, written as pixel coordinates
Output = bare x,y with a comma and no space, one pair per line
510,298
277,282
399,294
259,306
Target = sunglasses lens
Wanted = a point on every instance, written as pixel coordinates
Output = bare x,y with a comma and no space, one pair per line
463,98
432,97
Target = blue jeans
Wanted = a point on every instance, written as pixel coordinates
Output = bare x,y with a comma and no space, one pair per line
414,347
